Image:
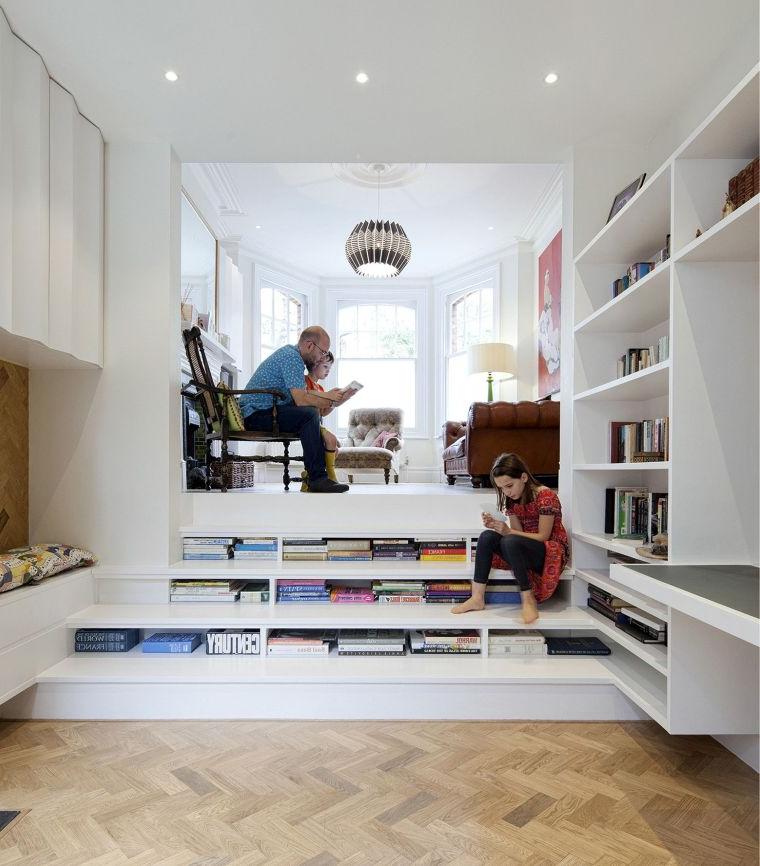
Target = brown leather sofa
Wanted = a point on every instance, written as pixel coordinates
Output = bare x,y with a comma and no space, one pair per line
525,428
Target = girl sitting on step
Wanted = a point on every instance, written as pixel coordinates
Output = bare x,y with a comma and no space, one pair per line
316,372
532,540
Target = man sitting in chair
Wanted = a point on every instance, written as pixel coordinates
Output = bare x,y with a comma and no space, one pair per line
299,412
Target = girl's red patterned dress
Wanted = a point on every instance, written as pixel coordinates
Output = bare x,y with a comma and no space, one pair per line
557,546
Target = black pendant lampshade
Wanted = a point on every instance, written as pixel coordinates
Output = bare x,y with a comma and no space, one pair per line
377,248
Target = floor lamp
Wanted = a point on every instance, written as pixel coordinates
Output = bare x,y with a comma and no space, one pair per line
491,358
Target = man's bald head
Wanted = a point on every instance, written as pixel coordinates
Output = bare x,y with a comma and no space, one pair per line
313,344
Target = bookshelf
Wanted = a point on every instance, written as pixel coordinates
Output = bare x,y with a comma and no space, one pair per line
705,300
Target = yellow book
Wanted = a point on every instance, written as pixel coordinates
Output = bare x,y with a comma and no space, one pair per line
458,557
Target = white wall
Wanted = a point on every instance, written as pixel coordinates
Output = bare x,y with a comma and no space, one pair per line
104,445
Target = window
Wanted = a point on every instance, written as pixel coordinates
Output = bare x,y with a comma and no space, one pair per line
377,344
469,320
282,314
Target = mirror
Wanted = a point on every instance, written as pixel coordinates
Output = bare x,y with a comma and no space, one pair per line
198,269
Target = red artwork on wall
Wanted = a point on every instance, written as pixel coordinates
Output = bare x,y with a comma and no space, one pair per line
549,310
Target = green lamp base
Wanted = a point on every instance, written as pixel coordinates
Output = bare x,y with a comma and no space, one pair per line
490,388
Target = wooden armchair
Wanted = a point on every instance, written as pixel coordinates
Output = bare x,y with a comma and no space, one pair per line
218,428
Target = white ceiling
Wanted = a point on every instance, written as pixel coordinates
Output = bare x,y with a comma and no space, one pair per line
306,212
450,81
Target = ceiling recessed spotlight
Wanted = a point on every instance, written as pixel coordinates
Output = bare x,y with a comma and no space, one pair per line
490,228
170,75
362,78
551,78
258,227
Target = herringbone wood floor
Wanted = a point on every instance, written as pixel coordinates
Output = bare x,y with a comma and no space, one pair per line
321,793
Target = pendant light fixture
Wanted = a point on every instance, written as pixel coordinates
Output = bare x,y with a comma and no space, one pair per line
378,248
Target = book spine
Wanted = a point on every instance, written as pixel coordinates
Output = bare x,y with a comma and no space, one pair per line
100,646
184,647
401,599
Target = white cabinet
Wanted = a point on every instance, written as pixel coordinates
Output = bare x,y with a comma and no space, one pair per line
76,230
51,218
31,118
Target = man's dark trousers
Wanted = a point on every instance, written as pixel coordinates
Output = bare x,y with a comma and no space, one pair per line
303,421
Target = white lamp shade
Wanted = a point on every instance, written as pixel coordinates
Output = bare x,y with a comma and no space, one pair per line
491,358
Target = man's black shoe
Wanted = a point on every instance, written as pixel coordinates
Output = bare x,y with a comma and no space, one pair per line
327,485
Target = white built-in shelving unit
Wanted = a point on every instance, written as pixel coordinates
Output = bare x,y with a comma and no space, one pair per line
705,299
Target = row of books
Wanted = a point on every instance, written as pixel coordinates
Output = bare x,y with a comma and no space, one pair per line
639,441
532,643
638,270
640,624
635,512
389,591
247,591
226,547
355,641
365,549
639,359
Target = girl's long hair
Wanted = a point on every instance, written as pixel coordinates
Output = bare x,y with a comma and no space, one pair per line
513,465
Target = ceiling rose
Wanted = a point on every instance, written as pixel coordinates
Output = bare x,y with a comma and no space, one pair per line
387,174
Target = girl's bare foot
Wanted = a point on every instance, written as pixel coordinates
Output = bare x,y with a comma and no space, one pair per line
529,608
472,603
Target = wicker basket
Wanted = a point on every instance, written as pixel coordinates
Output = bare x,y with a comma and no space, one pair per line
234,473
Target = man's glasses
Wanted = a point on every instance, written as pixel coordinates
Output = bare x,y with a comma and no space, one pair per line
322,352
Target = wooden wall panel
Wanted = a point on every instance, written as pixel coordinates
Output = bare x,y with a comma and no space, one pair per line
14,455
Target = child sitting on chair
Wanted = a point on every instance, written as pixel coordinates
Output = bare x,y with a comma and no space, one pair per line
318,371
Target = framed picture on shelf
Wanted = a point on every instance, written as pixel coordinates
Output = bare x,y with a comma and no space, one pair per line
549,310
625,195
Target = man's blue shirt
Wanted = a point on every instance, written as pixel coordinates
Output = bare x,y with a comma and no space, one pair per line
283,369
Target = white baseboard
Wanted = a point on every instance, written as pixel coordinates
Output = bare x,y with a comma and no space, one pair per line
351,701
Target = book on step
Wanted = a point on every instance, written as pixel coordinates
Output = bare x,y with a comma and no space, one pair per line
171,642
576,646
105,640
232,641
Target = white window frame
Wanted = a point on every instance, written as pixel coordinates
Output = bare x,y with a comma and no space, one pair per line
446,294
378,294
290,286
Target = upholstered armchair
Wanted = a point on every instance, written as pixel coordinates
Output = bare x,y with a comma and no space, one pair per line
528,429
373,443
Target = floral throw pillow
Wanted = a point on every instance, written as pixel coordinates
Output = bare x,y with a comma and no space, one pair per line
25,564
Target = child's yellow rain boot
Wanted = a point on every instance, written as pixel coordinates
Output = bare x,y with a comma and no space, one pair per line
330,465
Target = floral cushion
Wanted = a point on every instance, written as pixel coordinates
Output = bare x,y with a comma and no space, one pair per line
25,564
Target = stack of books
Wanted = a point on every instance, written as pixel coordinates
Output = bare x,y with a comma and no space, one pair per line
643,357
454,550
349,549
473,548
576,646
232,642
516,643
172,642
447,593
642,625
371,642
635,441
207,548
449,642
205,590
303,591
304,549
256,548
255,592
403,549
399,591
604,602
351,595
502,591
290,642
626,512
105,640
